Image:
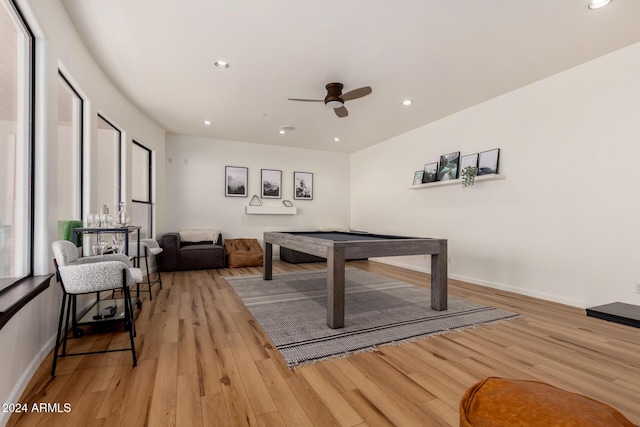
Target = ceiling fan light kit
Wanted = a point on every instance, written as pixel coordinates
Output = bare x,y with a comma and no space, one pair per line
335,98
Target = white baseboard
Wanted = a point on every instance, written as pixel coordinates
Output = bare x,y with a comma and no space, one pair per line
26,376
500,286
391,261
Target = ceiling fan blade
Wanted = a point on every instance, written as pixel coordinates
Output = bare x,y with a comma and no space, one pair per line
356,93
341,111
306,100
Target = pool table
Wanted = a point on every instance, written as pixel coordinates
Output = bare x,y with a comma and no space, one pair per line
335,246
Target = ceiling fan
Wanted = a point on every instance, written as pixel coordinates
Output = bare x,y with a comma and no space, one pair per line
335,98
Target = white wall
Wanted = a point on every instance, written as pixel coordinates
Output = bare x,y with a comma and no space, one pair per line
28,337
563,225
195,187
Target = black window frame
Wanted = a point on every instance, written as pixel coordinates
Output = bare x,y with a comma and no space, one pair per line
149,180
24,289
119,183
81,148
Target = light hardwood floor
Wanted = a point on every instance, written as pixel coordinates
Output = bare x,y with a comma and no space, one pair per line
203,361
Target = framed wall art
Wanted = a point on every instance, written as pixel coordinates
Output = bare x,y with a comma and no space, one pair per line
449,166
488,162
235,179
303,185
469,161
417,177
430,172
271,184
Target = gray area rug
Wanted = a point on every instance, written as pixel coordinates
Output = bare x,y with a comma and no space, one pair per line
291,308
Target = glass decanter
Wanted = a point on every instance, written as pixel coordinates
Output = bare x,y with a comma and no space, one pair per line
122,217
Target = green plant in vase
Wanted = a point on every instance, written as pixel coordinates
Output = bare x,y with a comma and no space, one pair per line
468,175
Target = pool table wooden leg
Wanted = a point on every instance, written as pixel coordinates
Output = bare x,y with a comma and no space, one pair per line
267,261
335,287
439,279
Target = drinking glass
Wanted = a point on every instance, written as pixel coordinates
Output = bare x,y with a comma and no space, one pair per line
99,246
105,221
93,220
118,241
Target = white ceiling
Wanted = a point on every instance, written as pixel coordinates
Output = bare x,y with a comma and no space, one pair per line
446,55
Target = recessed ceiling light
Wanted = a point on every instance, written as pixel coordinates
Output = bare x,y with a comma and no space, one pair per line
222,65
597,4
282,131
207,122
407,102
336,139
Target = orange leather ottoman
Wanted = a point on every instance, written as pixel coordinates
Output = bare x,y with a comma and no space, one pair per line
243,253
500,402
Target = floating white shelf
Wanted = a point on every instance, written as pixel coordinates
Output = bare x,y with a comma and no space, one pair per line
270,210
458,181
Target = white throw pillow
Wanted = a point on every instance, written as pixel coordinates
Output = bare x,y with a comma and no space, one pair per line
199,235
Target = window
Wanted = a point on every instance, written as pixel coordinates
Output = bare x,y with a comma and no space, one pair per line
108,166
69,151
16,150
142,207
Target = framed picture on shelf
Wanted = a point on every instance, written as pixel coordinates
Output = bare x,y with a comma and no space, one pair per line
469,161
488,162
430,172
271,184
449,166
235,179
417,177
303,185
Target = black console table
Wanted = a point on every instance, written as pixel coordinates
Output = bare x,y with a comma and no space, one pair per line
112,230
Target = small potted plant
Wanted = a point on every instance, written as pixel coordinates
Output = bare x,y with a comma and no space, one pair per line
469,176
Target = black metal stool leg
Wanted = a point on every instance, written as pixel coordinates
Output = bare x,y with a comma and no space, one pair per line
57,346
128,315
158,271
70,303
146,262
